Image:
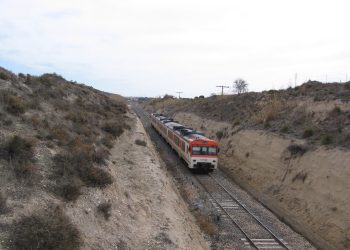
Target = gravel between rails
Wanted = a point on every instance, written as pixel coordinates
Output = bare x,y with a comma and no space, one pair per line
216,200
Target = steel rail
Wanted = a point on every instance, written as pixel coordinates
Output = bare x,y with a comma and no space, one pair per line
250,213
223,209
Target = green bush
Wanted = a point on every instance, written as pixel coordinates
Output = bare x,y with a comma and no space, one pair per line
45,230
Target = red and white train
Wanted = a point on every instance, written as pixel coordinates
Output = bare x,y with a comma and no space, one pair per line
198,151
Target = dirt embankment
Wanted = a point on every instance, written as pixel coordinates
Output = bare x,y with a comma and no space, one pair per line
147,212
77,171
289,148
309,189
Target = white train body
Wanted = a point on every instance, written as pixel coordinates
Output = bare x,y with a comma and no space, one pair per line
197,150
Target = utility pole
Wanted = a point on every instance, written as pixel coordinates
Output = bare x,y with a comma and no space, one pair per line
179,94
346,77
222,89
295,79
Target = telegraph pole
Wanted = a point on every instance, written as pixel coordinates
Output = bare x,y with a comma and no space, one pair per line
179,94
222,89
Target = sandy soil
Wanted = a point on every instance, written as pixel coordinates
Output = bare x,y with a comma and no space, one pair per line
147,211
309,191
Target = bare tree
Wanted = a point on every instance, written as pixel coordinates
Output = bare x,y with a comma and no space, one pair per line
240,86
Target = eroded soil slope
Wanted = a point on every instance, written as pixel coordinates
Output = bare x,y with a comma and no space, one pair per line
77,171
289,149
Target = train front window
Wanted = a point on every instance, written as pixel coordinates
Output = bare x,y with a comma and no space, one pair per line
212,151
204,150
196,150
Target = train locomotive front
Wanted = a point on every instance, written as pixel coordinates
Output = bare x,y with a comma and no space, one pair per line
198,151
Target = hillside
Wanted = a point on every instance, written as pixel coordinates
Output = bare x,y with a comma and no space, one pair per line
288,148
78,171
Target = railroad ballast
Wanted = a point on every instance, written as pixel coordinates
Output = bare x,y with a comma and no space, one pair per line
198,151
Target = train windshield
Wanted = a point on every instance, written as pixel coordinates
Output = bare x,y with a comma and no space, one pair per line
196,150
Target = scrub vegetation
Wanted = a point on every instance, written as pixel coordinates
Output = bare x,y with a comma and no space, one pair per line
55,138
313,111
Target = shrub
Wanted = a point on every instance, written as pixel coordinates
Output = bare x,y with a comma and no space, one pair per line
17,147
44,230
140,142
105,209
326,140
108,141
336,110
219,134
79,164
4,76
284,129
295,149
20,154
95,177
60,134
308,133
70,189
115,129
100,156
206,226
16,105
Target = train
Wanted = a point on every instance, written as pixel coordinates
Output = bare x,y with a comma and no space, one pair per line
198,151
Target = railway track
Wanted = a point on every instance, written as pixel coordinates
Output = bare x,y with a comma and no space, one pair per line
256,233
242,222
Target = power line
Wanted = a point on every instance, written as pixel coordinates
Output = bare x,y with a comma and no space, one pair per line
222,88
179,94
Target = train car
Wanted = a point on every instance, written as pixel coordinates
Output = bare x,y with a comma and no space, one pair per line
198,151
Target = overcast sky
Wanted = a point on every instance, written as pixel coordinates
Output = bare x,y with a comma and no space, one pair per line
149,48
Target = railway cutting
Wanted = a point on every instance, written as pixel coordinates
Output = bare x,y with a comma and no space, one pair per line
243,223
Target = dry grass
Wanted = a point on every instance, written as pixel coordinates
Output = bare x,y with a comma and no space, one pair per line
269,111
20,152
44,230
208,227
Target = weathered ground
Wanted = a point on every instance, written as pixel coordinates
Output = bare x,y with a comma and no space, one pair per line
147,211
289,149
77,171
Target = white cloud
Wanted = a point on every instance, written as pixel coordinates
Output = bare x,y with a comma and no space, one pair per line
136,47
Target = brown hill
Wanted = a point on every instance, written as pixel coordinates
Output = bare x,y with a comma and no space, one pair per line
288,148
72,177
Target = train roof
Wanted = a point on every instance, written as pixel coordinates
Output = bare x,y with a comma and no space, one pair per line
173,124
187,133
